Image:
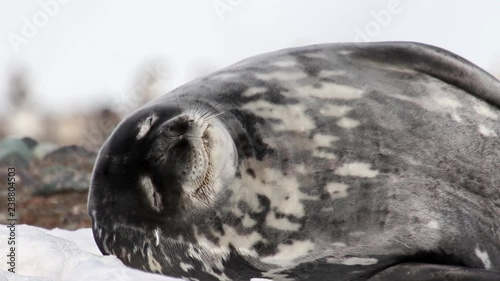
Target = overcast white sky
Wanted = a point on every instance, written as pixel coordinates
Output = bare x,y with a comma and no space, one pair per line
89,51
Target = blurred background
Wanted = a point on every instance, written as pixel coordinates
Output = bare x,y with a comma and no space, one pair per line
71,69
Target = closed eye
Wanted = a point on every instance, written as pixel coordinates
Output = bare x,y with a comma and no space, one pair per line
145,126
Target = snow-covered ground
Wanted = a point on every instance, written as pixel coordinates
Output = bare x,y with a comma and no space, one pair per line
53,255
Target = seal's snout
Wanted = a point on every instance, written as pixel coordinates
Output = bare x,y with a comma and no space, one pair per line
177,126
183,125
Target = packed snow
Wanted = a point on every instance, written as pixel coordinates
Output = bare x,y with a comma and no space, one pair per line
53,255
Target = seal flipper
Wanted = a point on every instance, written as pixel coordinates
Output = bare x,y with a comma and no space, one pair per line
434,272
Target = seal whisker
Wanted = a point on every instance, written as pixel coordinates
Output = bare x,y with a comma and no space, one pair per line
177,100
210,117
197,109
205,114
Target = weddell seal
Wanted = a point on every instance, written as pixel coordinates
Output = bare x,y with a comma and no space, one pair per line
371,161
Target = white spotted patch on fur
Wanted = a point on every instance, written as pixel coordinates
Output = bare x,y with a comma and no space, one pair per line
433,224
283,191
105,243
242,242
291,117
325,141
485,111
335,110
324,154
225,76
281,223
321,140
186,266
157,236
392,67
274,275
331,91
94,221
235,210
301,169
345,52
337,190
248,221
352,261
330,73
154,265
443,104
252,91
456,117
356,169
484,257
447,102
285,63
347,123
487,132
288,253
210,255
124,253
317,55
281,76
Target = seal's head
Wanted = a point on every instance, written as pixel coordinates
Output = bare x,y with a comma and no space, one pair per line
160,162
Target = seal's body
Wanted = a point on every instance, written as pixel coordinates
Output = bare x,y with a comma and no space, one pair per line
331,162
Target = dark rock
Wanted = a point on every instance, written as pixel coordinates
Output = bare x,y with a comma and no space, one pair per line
15,152
65,169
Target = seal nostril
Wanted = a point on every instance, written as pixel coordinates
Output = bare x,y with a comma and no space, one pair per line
177,126
181,127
